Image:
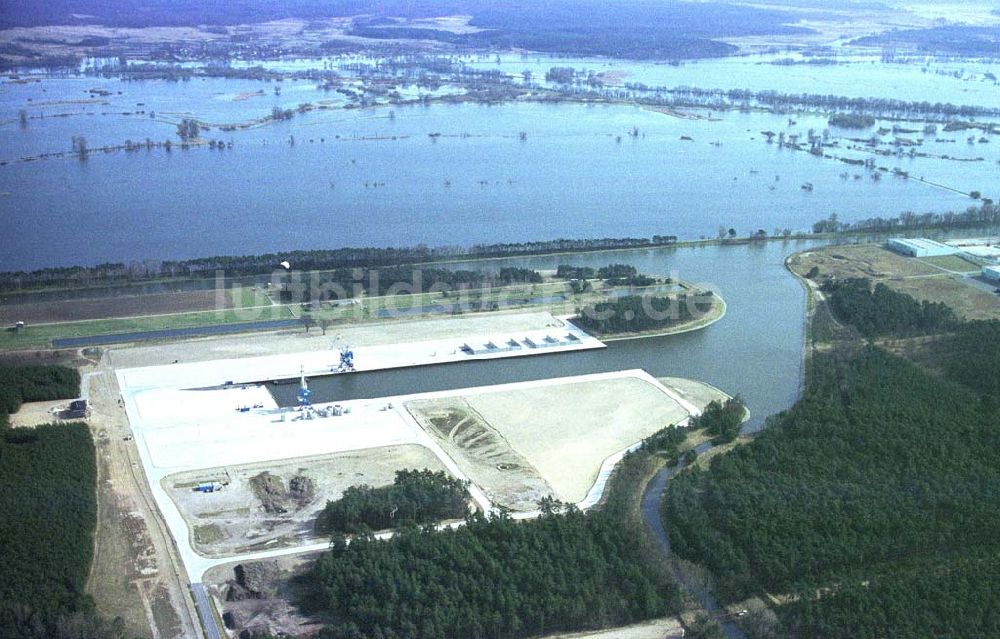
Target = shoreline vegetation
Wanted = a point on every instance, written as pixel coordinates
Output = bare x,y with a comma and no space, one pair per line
232,267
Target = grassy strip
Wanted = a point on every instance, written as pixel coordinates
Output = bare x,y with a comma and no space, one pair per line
41,334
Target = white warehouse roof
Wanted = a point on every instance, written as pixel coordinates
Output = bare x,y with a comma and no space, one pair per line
920,247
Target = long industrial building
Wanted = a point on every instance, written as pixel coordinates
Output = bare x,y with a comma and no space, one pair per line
920,247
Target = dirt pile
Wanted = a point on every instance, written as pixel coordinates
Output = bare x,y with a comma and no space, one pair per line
275,499
301,489
254,580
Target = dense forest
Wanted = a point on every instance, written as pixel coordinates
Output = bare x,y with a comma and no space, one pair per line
48,476
493,578
881,487
499,578
416,497
637,313
35,384
972,356
882,311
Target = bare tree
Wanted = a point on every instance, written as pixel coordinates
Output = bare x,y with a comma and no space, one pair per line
80,146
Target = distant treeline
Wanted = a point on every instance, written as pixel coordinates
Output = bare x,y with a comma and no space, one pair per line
958,40
888,107
612,274
344,283
985,215
585,27
851,121
415,498
323,259
35,384
48,478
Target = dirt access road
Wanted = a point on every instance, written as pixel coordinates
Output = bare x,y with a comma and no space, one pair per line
136,573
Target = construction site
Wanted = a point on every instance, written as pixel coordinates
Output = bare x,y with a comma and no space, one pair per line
239,476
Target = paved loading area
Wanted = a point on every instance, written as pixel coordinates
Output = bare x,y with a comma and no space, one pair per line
513,343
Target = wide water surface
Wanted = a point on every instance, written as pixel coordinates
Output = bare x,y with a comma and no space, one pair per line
577,174
755,350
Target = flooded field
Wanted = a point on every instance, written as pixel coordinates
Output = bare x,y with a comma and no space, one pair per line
401,175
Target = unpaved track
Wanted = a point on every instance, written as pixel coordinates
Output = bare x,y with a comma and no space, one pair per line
651,500
133,501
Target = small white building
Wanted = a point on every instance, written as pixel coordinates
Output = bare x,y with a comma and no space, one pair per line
991,273
920,247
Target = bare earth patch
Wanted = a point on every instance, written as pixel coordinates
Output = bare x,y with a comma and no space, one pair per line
37,413
482,452
669,628
567,430
108,307
235,520
515,444
967,301
871,261
698,393
269,610
923,278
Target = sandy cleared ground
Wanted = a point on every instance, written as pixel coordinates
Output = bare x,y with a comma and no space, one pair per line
276,614
375,334
506,476
566,431
562,432
234,520
968,302
864,260
657,629
698,393
134,574
37,413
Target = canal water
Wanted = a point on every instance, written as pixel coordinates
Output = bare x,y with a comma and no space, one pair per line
754,351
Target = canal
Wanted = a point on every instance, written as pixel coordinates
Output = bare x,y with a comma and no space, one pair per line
755,351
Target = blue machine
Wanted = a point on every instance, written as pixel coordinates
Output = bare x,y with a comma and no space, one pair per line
304,391
346,360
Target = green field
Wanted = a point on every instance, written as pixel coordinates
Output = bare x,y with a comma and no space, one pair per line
41,334
951,263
